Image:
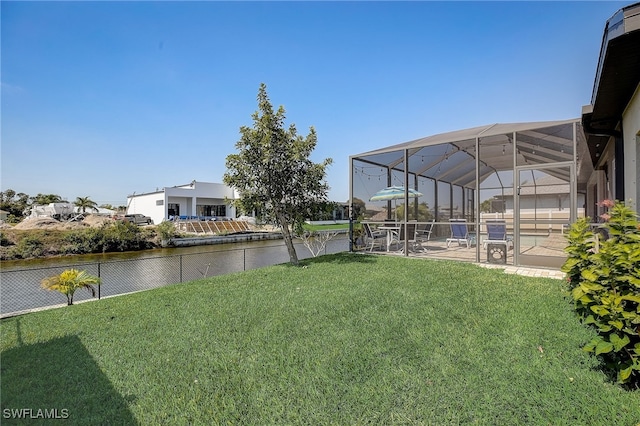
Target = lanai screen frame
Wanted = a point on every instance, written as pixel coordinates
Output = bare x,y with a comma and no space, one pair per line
452,158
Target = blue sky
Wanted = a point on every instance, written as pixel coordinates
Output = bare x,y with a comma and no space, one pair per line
106,99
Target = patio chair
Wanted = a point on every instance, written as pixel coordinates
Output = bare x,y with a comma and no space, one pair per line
373,238
422,236
460,233
497,233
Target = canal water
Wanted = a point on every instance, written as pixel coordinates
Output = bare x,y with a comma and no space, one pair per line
128,272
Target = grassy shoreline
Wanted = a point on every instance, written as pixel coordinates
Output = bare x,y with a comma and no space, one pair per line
347,339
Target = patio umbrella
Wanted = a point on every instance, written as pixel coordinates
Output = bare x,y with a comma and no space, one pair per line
393,193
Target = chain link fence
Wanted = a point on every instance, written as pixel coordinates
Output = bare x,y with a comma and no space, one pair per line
20,290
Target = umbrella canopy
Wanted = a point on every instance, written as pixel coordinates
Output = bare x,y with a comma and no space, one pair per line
393,193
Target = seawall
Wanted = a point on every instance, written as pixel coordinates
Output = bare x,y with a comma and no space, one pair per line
223,239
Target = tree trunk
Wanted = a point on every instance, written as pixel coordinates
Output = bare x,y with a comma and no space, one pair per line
288,239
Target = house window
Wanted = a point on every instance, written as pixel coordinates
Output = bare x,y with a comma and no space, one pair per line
207,210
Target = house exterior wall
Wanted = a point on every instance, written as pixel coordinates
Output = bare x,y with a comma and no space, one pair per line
147,204
548,202
187,197
631,137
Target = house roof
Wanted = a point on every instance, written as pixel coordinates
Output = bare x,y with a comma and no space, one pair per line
617,78
545,185
451,156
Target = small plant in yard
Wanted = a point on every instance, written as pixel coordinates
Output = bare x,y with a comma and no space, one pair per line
316,241
70,280
604,280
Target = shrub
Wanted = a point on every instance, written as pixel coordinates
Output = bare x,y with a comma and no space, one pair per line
83,241
4,241
28,247
166,231
604,280
124,236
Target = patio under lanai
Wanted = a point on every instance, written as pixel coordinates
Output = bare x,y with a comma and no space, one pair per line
530,179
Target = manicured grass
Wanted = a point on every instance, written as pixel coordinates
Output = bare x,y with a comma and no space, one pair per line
348,339
327,227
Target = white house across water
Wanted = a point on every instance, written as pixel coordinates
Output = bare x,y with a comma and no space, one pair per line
204,200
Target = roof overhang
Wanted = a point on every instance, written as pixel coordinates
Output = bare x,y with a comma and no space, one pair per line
617,78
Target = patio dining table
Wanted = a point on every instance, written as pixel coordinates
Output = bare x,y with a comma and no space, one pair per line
391,230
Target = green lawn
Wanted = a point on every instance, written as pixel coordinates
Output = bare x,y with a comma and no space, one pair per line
327,227
346,340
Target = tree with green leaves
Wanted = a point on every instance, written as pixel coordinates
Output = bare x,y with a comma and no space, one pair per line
84,203
485,206
359,208
424,214
44,199
14,203
273,173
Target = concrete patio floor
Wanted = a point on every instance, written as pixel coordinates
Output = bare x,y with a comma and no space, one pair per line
438,249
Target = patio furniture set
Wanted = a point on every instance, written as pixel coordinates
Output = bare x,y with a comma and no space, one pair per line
385,236
388,234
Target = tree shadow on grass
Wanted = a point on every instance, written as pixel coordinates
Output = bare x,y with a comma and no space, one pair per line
340,258
59,378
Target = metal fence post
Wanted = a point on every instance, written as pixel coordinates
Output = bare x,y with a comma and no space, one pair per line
181,267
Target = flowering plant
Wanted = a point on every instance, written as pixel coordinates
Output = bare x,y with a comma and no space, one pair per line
607,204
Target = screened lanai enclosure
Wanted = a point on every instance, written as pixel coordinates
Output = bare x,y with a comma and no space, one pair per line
502,193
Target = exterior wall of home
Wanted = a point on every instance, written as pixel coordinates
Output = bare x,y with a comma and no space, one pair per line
151,204
198,193
631,137
547,202
188,197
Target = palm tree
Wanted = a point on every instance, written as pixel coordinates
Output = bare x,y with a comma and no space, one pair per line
69,281
85,202
44,199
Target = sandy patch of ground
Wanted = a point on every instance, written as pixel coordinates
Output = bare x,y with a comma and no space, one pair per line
50,223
